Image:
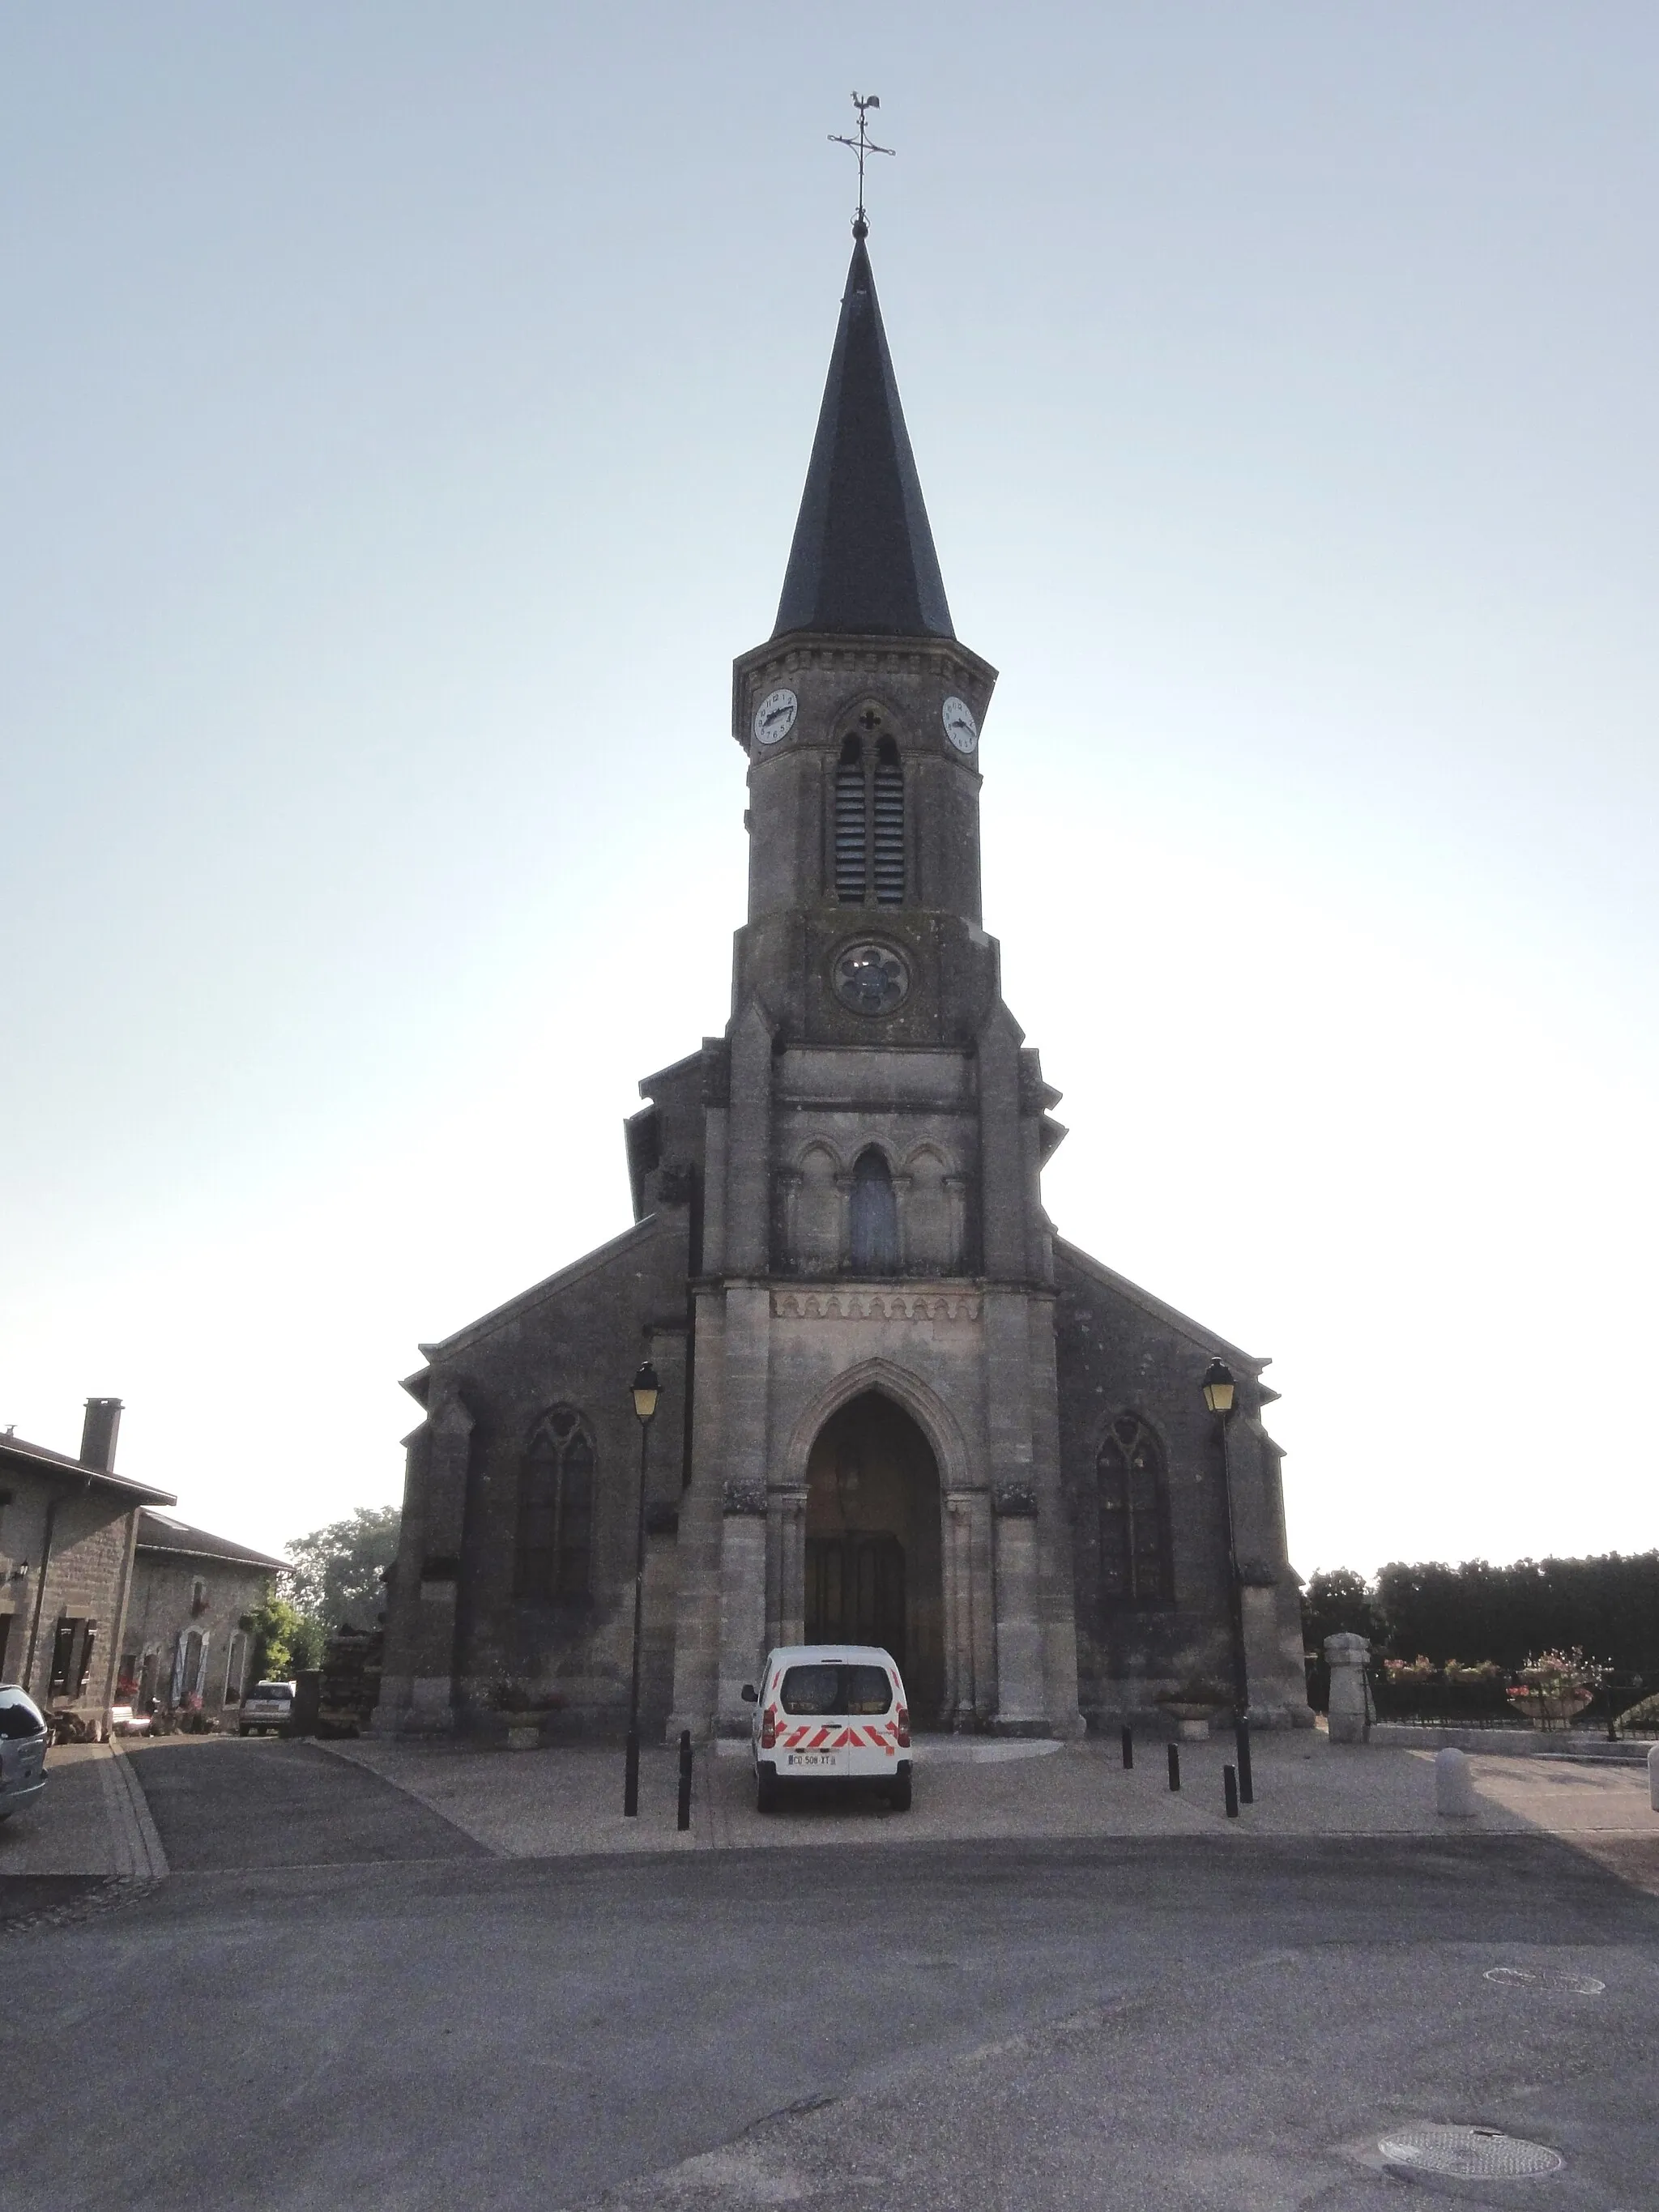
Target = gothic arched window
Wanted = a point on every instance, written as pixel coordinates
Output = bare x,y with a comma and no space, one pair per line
875,1216
556,1508
1134,1516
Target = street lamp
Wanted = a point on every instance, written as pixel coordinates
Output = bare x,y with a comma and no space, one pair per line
645,1405
1219,1391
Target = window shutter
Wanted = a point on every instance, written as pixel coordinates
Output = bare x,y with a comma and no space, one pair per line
850,860
890,828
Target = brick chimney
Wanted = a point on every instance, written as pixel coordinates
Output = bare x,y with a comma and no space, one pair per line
99,1432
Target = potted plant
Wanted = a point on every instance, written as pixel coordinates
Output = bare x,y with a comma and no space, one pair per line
1191,1705
1553,1688
524,1706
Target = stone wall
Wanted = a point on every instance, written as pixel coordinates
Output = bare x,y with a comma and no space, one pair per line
92,1535
163,1611
459,1624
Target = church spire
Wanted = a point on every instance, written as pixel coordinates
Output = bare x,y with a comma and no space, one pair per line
863,559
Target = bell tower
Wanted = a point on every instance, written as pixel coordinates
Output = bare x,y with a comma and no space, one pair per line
877,1278
861,717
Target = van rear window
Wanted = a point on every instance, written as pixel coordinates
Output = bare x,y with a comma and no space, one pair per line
19,1715
836,1690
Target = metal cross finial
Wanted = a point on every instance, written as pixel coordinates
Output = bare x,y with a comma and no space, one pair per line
863,146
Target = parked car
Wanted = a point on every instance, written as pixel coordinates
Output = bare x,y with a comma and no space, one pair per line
829,1712
267,1705
22,1750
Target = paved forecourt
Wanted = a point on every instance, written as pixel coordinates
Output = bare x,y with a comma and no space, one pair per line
563,1801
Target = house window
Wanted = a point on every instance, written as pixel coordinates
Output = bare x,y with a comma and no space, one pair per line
1134,1516
555,1508
72,1646
875,1216
199,1597
235,1667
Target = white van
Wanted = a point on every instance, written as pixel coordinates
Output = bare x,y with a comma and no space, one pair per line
829,1712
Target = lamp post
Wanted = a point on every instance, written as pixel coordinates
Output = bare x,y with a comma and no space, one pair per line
1219,1390
645,1405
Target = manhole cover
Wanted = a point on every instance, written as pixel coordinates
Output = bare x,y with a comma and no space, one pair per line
1471,2154
1545,1978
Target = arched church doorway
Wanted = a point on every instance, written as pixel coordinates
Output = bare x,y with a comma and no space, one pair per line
873,1573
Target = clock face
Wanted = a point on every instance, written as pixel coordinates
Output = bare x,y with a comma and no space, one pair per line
774,717
960,727
872,979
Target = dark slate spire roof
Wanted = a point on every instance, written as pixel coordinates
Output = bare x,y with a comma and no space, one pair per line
863,559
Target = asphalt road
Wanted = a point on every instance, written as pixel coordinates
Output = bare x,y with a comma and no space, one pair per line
376,2013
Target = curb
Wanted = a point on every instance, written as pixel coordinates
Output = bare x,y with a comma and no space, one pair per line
139,1855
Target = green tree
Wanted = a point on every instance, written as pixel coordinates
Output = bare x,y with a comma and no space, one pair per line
1335,1600
284,1640
337,1571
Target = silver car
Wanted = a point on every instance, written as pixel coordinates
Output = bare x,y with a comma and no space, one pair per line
267,1705
22,1750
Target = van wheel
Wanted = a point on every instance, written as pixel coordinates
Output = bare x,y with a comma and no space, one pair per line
241,1731
899,1796
767,1794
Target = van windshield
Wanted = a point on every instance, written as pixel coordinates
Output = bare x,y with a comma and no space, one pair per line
836,1690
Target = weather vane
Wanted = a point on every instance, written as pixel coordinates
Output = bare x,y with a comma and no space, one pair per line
863,146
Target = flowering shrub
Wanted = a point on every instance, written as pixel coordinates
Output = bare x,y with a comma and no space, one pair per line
1416,1689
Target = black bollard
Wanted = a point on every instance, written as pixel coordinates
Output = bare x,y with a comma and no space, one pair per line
684,1821
1241,1739
1229,1791
1175,1766
1128,1749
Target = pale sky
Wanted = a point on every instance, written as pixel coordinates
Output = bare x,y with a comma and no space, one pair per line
405,412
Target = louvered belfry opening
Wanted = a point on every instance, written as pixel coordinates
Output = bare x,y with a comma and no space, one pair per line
888,840
851,840
869,858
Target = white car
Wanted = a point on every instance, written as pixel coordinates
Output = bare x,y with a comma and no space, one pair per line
22,1750
829,1712
267,1705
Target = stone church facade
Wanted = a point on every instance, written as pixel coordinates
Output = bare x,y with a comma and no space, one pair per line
897,1406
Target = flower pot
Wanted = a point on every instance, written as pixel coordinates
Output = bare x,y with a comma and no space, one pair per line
1192,1721
1551,1708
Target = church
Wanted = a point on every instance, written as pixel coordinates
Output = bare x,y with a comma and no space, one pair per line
895,1406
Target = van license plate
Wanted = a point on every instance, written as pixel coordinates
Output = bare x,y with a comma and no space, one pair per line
811,1758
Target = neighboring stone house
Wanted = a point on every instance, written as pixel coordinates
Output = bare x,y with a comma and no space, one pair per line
67,1528
895,1406
189,1640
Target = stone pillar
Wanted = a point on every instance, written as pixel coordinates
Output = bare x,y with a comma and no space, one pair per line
743,1600
433,1566
969,1612
1021,1708
786,1549
697,1601
1347,1654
